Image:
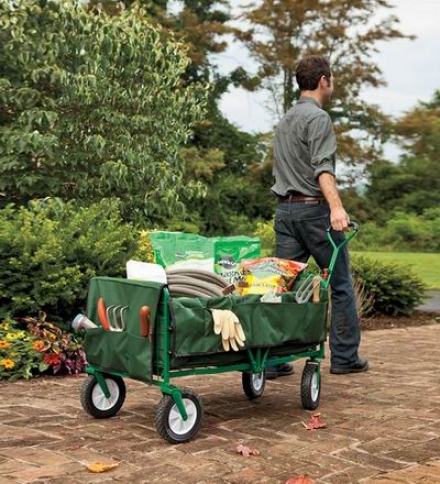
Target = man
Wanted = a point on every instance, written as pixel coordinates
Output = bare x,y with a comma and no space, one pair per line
309,203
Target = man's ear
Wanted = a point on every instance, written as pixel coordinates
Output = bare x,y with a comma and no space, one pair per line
325,82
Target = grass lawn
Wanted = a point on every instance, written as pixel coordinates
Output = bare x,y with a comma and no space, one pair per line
427,266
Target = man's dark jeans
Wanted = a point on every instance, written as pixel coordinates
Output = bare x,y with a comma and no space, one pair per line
301,231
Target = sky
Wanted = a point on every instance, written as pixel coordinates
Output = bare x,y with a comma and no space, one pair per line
410,68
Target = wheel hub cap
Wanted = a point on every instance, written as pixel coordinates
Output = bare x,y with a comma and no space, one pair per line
257,381
176,422
99,399
315,387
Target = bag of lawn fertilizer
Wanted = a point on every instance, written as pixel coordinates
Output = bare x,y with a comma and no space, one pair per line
230,251
183,250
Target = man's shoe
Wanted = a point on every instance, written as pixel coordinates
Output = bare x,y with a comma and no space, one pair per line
358,367
284,369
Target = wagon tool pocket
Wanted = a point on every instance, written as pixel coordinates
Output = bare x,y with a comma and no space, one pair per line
125,311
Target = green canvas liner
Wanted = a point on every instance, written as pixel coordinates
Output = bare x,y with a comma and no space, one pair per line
286,328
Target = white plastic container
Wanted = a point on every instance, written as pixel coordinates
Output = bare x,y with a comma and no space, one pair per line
145,271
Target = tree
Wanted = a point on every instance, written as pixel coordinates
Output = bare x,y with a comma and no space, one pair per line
418,130
282,31
200,24
153,8
413,185
226,162
93,106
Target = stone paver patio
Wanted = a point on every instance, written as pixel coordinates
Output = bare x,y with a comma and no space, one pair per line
383,427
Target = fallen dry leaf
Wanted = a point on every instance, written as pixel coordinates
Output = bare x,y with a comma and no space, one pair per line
303,479
246,451
101,466
315,422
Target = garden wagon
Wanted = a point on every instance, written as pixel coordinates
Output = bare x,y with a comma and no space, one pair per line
179,341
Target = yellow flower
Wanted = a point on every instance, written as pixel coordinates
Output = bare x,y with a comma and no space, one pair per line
11,336
15,335
4,326
4,344
7,363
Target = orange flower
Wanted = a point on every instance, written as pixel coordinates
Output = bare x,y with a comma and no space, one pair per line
7,363
38,345
4,344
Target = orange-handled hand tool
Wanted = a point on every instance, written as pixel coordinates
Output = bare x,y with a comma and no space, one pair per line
145,321
102,314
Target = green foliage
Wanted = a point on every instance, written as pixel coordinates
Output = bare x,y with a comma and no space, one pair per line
426,265
224,175
50,251
266,233
419,129
232,192
202,26
395,289
413,185
93,106
404,232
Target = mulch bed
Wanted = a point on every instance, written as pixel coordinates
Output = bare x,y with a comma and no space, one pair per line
418,318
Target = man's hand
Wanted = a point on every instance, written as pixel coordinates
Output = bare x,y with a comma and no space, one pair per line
338,216
339,219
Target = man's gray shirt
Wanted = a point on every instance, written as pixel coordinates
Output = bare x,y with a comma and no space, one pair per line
304,147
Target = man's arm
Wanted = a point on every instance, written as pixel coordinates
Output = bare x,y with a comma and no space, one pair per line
338,216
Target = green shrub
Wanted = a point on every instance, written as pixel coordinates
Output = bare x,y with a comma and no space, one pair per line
395,290
370,237
403,232
50,251
266,233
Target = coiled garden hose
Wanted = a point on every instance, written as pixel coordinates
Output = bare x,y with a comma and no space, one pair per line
183,281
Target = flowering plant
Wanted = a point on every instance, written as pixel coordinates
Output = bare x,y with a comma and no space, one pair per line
33,345
18,356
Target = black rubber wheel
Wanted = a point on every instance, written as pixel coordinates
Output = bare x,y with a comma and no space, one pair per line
310,386
170,424
94,401
253,384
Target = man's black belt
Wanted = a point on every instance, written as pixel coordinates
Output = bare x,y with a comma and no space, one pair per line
300,198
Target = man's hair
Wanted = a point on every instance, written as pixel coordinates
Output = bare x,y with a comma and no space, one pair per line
309,71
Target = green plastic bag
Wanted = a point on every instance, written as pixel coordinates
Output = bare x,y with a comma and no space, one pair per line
230,251
182,249
216,254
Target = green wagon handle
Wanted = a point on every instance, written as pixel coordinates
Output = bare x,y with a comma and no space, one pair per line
327,273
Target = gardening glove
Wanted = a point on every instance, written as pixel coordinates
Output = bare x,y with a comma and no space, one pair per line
228,325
